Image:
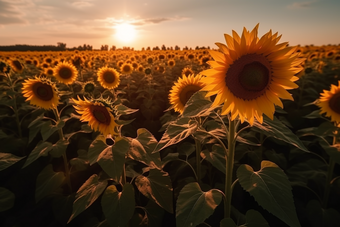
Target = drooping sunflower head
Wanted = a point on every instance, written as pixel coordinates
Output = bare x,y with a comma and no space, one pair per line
16,65
89,87
183,89
41,92
126,68
108,77
250,74
4,68
98,115
65,73
329,102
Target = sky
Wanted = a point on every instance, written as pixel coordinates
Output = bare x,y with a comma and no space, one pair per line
165,22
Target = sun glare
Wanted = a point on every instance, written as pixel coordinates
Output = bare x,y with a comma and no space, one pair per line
125,32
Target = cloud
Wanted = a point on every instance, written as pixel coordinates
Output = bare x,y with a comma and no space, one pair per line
301,5
141,22
9,13
82,4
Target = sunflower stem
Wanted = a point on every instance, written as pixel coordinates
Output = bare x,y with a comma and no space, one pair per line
15,106
229,169
123,178
61,138
198,160
331,166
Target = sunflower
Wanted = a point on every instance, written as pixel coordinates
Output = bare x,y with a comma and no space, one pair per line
41,92
108,77
65,73
126,68
98,114
89,87
16,65
250,74
49,71
329,103
171,63
187,71
183,89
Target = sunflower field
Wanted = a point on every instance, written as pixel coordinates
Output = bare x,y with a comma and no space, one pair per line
245,134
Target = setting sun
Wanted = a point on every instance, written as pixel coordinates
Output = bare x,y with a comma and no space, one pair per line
125,32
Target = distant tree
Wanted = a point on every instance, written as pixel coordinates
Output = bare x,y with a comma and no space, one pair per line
163,47
113,48
177,47
155,48
143,49
61,45
148,48
104,47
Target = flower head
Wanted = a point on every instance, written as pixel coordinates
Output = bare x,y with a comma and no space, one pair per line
329,102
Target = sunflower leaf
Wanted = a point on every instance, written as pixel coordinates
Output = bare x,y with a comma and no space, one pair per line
41,149
120,109
194,206
276,129
96,147
157,187
48,182
7,199
198,105
255,219
271,189
8,159
216,157
87,194
176,132
118,207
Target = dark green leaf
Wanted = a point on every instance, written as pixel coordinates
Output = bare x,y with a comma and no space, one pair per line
96,147
227,222
118,207
48,182
198,105
112,159
47,129
59,148
271,189
194,205
157,186
41,149
87,194
216,157
319,216
276,129
7,199
85,128
120,109
255,219
7,159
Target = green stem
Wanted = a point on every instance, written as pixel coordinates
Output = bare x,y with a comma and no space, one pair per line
218,139
15,107
61,138
229,169
198,160
329,178
123,178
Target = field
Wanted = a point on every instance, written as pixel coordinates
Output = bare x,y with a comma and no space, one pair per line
91,138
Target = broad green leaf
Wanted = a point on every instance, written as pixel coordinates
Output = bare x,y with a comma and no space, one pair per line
85,128
96,147
112,159
313,115
194,206
157,186
7,159
227,222
120,109
176,132
87,194
41,149
142,147
255,219
276,129
81,162
198,105
47,129
216,157
118,207
319,216
33,131
48,182
271,189
59,148
332,150
186,148
154,213
7,199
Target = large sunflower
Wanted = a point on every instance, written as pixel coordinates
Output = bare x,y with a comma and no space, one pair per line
108,77
65,73
250,74
98,115
183,89
329,102
41,92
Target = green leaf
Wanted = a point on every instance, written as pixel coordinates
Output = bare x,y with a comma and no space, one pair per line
194,206
227,222
157,186
118,207
216,157
7,159
41,149
85,128
198,105
7,199
47,129
120,109
96,147
59,148
142,147
87,194
255,219
48,182
176,132
81,162
319,216
33,131
271,189
276,129
313,115
112,159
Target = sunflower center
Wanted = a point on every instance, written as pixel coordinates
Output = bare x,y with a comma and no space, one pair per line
126,68
65,73
17,65
101,114
249,76
43,91
109,77
187,92
334,103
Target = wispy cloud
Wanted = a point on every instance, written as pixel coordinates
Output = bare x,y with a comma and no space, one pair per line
301,5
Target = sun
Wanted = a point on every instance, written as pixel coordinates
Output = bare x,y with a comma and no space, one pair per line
125,32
